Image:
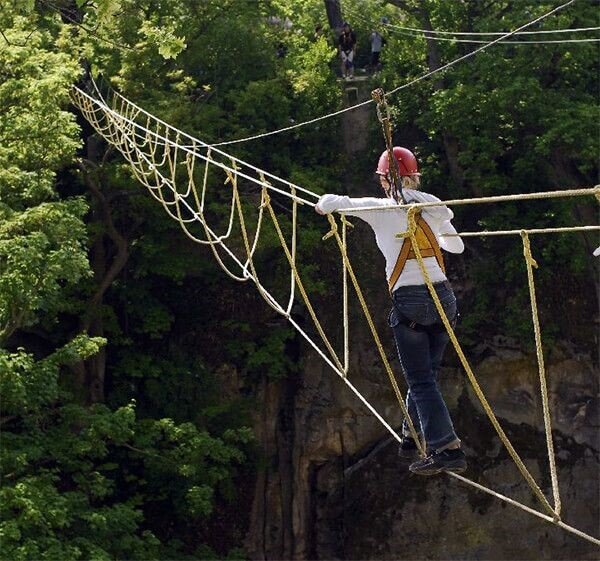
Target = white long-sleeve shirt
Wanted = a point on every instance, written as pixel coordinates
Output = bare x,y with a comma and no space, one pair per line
387,223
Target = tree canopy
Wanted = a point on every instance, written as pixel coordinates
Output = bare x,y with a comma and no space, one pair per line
120,439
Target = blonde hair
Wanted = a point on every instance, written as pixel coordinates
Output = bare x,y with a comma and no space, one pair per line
411,182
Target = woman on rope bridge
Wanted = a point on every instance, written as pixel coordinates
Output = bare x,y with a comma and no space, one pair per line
418,329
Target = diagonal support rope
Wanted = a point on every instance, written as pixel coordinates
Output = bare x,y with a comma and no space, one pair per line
388,369
531,263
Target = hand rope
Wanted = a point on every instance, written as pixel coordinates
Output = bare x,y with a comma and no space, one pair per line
486,233
580,192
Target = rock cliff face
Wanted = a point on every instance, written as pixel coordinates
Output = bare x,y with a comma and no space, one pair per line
335,488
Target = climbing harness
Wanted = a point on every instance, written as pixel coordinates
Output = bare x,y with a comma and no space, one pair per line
428,245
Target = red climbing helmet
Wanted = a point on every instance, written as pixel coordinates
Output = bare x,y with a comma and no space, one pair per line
407,163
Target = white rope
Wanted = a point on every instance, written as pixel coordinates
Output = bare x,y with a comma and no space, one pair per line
525,508
479,49
214,148
423,77
425,35
493,33
433,34
485,233
189,150
271,300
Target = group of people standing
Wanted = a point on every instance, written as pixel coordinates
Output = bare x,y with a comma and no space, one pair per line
347,50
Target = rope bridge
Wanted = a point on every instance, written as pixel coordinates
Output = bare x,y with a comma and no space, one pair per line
177,170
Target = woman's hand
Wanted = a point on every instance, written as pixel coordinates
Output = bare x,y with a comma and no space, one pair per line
319,211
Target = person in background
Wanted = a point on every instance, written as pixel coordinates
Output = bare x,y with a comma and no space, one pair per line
281,50
377,43
347,50
417,326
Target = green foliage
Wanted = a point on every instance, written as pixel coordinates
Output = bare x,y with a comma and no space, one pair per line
169,44
149,473
261,356
520,119
79,481
42,251
33,143
67,470
27,385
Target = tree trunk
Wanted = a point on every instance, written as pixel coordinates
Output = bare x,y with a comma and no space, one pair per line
451,144
90,374
334,14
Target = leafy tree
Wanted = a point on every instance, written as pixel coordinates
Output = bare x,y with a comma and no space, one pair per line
80,480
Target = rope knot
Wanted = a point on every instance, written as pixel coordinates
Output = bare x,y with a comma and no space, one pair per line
527,249
229,177
334,228
346,222
266,198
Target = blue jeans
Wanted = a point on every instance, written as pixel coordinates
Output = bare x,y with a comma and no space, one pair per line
420,354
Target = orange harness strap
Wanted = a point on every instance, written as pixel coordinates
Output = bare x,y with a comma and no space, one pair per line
406,252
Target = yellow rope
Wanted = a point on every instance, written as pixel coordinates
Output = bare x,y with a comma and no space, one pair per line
486,233
583,192
411,233
531,263
346,321
334,232
300,285
250,260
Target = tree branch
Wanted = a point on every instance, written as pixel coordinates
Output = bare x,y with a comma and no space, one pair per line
120,242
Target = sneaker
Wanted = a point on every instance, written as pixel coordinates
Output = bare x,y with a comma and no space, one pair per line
408,448
453,461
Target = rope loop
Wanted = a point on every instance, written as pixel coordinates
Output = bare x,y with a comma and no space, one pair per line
263,179
527,249
265,197
411,227
345,221
334,228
